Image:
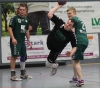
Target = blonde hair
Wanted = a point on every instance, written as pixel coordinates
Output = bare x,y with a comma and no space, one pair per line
71,8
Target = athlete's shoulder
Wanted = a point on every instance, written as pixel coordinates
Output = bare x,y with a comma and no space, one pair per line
14,17
75,18
26,19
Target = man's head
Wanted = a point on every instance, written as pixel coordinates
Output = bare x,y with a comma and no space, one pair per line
69,24
71,12
22,10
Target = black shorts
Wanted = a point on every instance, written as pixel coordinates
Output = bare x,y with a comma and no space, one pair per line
54,51
53,56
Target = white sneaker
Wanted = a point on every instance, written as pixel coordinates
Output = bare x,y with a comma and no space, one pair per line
54,68
48,64
15,78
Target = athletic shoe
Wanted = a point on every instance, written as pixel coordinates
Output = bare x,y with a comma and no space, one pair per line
74,80
54,68
14,77
24,75
80,83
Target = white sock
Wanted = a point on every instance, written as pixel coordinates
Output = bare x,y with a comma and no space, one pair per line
48,64
80,79
75,77
12,70
22,65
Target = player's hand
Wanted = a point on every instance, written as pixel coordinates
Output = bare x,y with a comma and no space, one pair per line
68,53
30,44
14,41
73,29
59,5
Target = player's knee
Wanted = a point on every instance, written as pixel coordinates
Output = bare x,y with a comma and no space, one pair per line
23,58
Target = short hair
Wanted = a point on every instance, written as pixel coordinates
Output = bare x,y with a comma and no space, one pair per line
71,8
23,5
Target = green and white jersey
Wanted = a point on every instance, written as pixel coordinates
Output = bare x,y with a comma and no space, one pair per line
80,31
19,26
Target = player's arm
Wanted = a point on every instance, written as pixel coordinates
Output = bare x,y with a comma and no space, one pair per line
11,26
11,33
73,29
73,44
56,20
30,28
73,51
14,41
53,10
28,35
28,38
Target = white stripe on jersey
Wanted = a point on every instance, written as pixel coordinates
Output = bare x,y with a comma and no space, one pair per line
15,50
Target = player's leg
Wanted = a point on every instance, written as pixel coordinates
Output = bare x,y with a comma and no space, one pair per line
22,62
76,64
79,55
15,49
52,59
78,70
12,67
23,56
74,78
49,46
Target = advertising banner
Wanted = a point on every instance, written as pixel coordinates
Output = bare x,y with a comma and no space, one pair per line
39,52
86,11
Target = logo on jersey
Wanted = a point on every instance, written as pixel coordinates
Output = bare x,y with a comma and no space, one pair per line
23,30
60,36
19,20
26,21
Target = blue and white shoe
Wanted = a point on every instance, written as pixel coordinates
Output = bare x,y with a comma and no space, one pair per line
80,83
74,80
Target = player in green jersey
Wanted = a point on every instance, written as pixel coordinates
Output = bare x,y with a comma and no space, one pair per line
18,29
82,43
